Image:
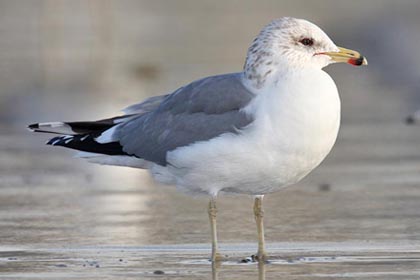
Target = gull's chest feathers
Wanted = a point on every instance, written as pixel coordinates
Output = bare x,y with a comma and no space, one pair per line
297,121
295,126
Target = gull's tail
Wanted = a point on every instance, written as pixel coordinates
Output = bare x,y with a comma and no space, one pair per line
76,128
98,141
82,136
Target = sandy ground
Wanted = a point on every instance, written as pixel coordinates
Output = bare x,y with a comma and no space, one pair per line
297,260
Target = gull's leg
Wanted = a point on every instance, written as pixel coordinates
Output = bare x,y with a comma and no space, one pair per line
215,256
261,270
215,270
259,215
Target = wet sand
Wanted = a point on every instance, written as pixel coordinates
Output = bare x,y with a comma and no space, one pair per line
320,260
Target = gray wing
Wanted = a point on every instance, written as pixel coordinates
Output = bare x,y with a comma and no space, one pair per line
145,106
199,111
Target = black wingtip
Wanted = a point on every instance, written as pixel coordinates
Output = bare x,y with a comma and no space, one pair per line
33,127
51,141
57,141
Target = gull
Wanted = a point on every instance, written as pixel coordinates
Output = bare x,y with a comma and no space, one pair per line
253,132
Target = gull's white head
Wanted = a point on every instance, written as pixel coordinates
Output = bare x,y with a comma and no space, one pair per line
289,43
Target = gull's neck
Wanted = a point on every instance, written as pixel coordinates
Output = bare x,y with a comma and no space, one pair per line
267,74
264,69
260,67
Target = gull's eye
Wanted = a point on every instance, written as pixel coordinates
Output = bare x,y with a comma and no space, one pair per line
307,42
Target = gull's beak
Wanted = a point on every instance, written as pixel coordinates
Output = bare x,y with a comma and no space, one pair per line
348,56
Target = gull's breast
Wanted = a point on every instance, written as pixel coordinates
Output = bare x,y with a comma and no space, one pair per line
296,125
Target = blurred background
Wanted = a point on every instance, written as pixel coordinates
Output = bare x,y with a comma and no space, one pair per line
77,60
100,55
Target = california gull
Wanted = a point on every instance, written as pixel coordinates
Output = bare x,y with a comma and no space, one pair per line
253,132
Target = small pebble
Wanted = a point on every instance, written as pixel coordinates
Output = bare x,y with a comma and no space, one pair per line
61,265
97,266
324,187
410,120
120,260
158,272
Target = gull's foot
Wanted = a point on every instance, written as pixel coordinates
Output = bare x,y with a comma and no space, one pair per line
217,257
256,258
261,257
250,259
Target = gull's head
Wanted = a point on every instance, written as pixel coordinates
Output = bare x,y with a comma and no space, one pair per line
290,43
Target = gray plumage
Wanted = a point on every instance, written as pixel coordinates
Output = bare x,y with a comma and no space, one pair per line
199,111
145,106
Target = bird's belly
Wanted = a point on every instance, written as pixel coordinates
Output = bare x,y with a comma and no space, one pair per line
254,163
274,165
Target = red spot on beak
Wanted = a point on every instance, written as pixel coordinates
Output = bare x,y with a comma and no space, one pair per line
356,61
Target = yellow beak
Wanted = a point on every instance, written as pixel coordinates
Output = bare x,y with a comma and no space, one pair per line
348,56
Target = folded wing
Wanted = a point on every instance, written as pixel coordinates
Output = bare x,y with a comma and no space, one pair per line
199,111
